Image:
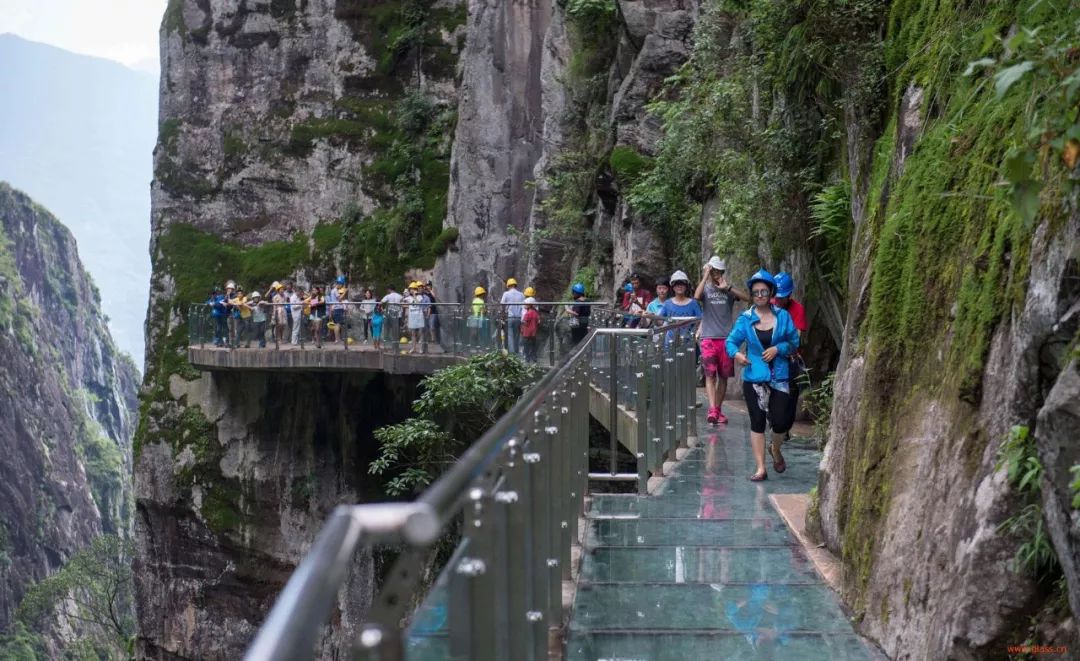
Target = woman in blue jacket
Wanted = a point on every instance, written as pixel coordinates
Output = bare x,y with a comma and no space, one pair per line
771,338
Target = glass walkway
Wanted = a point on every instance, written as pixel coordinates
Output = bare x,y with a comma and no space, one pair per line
706,568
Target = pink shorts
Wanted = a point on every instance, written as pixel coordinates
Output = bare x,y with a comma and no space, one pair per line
714,358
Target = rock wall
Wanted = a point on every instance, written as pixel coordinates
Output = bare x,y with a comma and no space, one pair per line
67,401
528,71
229,503
298,139
958,317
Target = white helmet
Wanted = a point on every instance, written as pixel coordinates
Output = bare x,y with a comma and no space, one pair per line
678,276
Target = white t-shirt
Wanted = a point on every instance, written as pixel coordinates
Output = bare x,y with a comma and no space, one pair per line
513,296
392,301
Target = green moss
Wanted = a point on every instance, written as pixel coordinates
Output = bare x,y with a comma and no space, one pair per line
326,237
181,179
168,132
285,9
627,164
952,255
337,131
445,239
173,20
233,146
198,260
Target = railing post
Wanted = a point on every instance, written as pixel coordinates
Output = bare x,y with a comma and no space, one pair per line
691,393
537,459
613,402
555,529
472,633
520,556
641,410
656,410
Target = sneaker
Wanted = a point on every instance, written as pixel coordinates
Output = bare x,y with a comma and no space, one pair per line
721,418
714,416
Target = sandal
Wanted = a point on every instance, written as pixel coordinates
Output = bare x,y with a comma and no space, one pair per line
779,465
759,477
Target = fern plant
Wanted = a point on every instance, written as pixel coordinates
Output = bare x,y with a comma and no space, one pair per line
1035,555
830,219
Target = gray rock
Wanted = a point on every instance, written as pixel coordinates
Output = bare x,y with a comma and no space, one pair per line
1059,449
496,145
62,381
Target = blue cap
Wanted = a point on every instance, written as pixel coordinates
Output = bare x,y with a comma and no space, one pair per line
578,289
762,276
341,279
784,284
628,287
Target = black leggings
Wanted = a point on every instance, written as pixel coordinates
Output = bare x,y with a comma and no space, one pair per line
781,412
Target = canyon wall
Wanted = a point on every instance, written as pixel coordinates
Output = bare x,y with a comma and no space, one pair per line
67,401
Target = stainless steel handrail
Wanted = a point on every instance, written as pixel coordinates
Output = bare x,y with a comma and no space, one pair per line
293,625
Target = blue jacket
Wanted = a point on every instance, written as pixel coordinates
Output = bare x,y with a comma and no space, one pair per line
217,304
785,339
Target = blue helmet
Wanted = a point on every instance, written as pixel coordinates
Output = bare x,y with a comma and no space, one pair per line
628,287
784,284
762,276
341,279
578,289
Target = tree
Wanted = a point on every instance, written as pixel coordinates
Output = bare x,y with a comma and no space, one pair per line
457,406
95,589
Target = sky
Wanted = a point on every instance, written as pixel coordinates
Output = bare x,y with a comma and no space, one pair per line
125,31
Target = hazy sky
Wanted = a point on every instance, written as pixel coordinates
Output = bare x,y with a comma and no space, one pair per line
121,30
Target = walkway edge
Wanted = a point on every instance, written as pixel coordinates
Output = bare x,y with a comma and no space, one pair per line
792,509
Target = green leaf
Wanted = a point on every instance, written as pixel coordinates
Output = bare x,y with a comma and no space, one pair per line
1018,165
1005,78
1025,200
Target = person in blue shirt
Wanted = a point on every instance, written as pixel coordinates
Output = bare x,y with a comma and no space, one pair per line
681,304
771,339
219,310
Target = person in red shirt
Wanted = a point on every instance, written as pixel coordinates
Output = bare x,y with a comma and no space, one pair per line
640,296
530,324
785,287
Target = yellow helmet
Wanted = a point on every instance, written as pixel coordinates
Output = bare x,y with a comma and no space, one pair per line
479,291
511,282
276,285
529,291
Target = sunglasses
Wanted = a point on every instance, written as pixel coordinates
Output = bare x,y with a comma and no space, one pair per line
760,293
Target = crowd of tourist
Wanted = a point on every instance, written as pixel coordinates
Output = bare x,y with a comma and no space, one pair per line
289,313
764,339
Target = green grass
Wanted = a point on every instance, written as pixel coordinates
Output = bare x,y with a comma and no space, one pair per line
628,165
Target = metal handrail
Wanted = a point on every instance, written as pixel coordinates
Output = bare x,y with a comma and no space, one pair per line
293,625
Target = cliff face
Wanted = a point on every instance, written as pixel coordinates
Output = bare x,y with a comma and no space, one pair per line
550,91
959,323
67,399
298,139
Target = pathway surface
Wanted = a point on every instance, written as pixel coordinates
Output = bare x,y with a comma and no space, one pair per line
706,568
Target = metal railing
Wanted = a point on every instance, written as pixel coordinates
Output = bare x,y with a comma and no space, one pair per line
518,493
448,328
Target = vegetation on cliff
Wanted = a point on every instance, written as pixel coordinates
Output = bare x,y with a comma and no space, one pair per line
458,404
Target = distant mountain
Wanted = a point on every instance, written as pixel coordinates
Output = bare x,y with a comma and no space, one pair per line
77,134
